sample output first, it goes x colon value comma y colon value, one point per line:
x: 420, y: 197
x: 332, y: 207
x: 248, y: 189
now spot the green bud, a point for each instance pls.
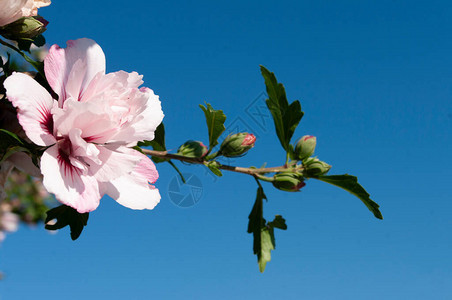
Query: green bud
x: 237, y: 144
x: 288, y: 181
x: 24, y: 28
x: 305, y: 147
x: 193, y: 149
x: 315, y: 167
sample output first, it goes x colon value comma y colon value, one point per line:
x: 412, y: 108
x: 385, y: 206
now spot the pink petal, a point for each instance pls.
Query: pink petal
x: 95, y: 124
x: 145, y: 170
x: 115, y: 162
x: 133, y: 190
x: 69, y: 71
x: 146, y: 121
x: 34, y: 106
x: 71, y: 185
x: 12, y: 10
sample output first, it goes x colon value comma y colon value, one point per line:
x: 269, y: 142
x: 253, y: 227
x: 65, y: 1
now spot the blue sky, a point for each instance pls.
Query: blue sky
x: 374, y: 79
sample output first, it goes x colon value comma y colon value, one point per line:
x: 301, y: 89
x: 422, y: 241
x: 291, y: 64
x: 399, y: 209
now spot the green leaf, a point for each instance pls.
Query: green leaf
x: 158, y: 143
x: 39, y: 40
x: 286, y: 117
x: 257, y: 222
x: 66, y: 215
x: 267, y: 244
x: 10, y: 143
x: 278, y: 222
x: 215, y: 124
x: 351, y: 185
x: 263, y: 233
x: 213, y: 166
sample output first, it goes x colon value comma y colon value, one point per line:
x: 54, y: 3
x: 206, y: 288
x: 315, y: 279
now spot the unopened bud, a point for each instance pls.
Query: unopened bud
x: 288, y: 181
x: 193, y: 149
x: 315, y: 167
x: 305, y: 147
x: 24, y: 28
x: 237, y: 144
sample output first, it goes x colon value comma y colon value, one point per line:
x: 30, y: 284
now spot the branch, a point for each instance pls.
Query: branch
x: 249, y: 171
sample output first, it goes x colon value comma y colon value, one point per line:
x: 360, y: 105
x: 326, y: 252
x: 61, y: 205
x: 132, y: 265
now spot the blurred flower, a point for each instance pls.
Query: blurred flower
x: 89, y: 129
x: 12, y: 10
x: 9, y: 222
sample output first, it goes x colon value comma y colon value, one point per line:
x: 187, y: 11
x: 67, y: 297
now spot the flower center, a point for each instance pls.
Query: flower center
x: 65, y: 146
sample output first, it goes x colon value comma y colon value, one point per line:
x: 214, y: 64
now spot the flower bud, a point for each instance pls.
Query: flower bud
x: 288, y: 181
x: 315, y: 167
x: 237, y: 144
x: 305, y: 147
x: 24, y: 28
x: 193, y: 149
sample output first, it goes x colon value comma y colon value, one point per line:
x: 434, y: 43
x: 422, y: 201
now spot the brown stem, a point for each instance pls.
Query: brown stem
x: 249, y: 171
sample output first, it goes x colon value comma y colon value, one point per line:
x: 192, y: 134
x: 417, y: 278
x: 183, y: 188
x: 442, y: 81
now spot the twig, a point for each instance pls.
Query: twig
x: 249, y: 171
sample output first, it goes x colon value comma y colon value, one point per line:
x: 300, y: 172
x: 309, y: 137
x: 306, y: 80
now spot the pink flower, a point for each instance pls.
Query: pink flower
x: 12, y: 10
x: 89, y: 129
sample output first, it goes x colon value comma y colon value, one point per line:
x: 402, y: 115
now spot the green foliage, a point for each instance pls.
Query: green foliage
x: 213, y: 166
x: 278, y: 222
x: 10, y: 143
x: 192, y: 149
x: 66, y: 215
x: 215, y: 124
x: 286, y: 117
x: 27, y: 197
x: 257, y: 222
x: 263, y: 232
x: 158, y: 143
x: 237, y: 144
x: 351, y: 185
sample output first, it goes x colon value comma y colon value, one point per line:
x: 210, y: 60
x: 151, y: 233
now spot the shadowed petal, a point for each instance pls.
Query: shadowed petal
x: 24, y: 163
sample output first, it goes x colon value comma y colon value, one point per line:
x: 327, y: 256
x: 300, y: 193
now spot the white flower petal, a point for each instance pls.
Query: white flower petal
x: 129, y: 194
x: 34, y: 106
x: 61, y: 62
x: 115, y: 162
x: 134, y: 190
x: 69, y: 184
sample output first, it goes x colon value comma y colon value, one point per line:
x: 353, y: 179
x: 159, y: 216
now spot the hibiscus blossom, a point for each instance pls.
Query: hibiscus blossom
x: 12, y: 10
x: 9, y: 222
x: 90, y: 128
